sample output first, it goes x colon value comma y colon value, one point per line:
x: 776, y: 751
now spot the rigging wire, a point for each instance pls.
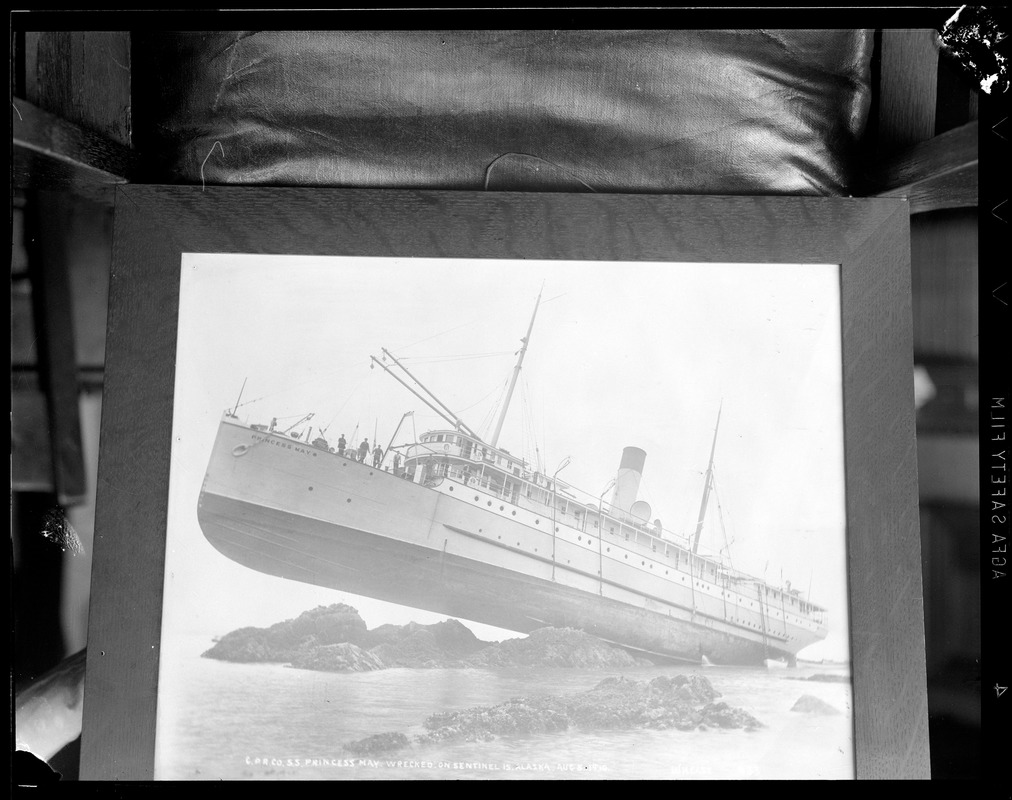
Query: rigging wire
x: 346, y: 401
x: 483, y: 399
x: 720, y: 517
x: 458, y: 357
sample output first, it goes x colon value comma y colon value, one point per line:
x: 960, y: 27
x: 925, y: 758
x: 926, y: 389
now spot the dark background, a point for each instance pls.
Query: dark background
x: 88, y: 115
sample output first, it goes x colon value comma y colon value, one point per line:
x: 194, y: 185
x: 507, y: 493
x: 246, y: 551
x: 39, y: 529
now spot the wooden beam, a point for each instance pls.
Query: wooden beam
x: 51, y: 153
x: 82, y: 77
x: 941, y: 172
x: 47, y: 219
x: 908, y: 81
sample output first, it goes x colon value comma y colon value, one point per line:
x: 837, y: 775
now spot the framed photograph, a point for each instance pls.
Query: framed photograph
x: 433, y: 485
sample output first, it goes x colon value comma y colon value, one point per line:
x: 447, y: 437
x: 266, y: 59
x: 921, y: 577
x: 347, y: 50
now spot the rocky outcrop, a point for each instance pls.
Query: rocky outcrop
x: 344, y: 657
x: 335, y: 638
x: 554, y: 647
x: 808, y: 704
x: 378, y: 744
x: 683, y: 702
x: 285, y: 641
x: 447, y: 643
x: 823, y: 677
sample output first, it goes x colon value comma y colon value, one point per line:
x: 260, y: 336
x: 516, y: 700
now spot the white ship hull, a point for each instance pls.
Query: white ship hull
x: 285, y: 508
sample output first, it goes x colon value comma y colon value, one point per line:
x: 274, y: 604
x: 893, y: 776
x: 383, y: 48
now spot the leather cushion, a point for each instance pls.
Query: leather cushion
x: 723, y: 112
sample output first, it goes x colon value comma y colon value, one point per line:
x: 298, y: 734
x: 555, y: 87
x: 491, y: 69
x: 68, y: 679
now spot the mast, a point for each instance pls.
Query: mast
x: 516, y: 374
x: 706, y: 484
x: 240, y: 396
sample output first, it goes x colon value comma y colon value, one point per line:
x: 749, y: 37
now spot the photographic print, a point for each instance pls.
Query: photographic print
x: 448, y: 518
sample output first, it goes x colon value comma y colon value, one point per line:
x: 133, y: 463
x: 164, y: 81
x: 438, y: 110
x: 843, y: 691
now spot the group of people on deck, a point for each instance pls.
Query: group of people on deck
x: 362, y: 453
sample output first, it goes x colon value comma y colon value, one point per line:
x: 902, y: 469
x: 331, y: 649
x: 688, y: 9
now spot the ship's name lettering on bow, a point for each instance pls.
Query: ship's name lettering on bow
x: 283, y: 445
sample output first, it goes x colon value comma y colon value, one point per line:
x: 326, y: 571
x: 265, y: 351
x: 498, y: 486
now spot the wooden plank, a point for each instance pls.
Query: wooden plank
x: 31, y: 454
x: 941, y: 172
x: 82, y: 77
x: 51, y: 153
x: 944, y: 267
x: 907, y: 88
x: 47, y: 218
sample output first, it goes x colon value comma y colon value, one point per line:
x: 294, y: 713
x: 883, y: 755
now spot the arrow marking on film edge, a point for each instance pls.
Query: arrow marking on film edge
x: 994, y: 294
x: 1003, y: 202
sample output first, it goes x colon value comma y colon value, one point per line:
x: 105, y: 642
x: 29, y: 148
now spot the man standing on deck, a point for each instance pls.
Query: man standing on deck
x: 341, y: 444
x: 377, y: 456
x: 363, y: 450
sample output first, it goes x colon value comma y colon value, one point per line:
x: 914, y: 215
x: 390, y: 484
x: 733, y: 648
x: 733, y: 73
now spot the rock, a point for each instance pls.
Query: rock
x: 721, y: 715
x: 344, y: 657
x: 808, y: 704
x: 378, y: 744
x: 302, y: 642
x: 285, y: 641
x: 679, y: 702
x: 554, y: 647
x: 443, y: 644
x: 823, y: 678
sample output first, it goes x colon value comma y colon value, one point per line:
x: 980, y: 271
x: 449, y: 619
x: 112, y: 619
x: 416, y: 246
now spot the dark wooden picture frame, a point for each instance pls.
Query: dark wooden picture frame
x: 869, y: 239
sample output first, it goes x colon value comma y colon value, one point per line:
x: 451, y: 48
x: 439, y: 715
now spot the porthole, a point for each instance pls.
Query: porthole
x: 310, y: 488
x: 518, y: 544
x: 537, y: 522
x: 514, y: 513
x: 490, y: 503
x: 578, y: 538
x: 451, y: 488
x: 627, y: 556
x: 502, y: 508
x: 476, y: 498
x: 348, y: 500
x: 608, y: 549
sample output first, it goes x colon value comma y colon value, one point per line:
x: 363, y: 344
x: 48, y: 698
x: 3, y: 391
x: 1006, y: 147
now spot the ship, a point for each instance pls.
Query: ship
x: 453, y: 523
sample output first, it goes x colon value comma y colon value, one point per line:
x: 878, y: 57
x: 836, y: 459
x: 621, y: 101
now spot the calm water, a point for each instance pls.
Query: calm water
x: 219, y: 720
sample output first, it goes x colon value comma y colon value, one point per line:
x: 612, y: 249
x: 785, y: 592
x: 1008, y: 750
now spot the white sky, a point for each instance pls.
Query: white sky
x: 621, y: 354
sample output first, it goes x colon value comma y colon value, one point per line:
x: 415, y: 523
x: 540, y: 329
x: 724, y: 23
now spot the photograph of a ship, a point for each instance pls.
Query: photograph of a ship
x: 650, y: 454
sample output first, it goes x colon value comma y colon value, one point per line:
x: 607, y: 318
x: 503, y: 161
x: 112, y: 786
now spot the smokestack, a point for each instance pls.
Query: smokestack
x: 627, y: 484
